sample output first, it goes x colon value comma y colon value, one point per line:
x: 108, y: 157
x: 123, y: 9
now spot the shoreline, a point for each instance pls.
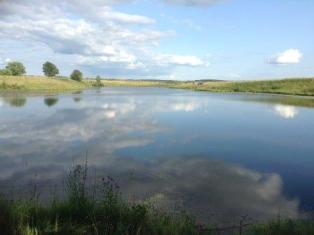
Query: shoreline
x: 302, y: 87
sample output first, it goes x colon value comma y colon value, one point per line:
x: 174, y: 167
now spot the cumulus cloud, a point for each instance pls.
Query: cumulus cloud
x: 286, y: 111
x: 96, y: 35
x: 290, y: 56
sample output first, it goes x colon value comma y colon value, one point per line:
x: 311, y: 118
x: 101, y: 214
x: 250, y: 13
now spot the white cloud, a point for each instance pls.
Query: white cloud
x: 187, y: 60
x: 290, y: 56
x: 192, y: 2
x: 108, y: 14
x: 110, y: 114
x: 97, y: 36
x: 186, y: 107
x: 4, y: 61
x: 285, y: 111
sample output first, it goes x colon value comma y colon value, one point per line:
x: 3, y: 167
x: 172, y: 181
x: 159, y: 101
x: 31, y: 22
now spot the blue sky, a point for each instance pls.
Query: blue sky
x: 162, y: 39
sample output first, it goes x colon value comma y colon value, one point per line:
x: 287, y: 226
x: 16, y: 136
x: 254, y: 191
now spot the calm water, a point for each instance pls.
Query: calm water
x: 212, y: 154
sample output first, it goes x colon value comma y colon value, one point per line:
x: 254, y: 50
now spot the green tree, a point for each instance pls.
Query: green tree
x: 77, y: 75
x: 5, y: 72
x: 98, y: 82
x: 98, y: 79
x: 50, y: 70
x: 16, y: 68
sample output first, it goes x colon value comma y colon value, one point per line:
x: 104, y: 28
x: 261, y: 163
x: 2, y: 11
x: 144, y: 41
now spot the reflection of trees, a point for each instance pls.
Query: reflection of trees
x: 51, y: 101
x: 77, y: 99
x: 16, y: 101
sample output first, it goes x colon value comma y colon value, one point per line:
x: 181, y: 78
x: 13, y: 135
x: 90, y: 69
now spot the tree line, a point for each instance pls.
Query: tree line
x: 16, y: 68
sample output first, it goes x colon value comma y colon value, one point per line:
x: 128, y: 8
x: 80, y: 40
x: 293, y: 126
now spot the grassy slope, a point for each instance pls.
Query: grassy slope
x: 287, y: 86
x: 39, y: 83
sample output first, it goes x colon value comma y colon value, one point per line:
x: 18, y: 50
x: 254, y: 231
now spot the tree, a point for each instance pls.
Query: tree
x: 50, y: 70
x: 16, y: 68
x: 98, y: 82
x: 77, y: 75
x: 98, y: 79
x: 5, y: 72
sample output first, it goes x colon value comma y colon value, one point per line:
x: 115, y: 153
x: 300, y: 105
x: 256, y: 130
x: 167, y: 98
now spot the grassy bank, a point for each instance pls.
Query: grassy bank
x: 82, y: 213
x: 304, y: 87
x: 40, y: 84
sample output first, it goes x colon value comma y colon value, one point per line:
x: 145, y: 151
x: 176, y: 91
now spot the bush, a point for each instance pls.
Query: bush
x: 16, y: 68
x: 77, y: 75
x: 98, y: 82
x: 50, y: 70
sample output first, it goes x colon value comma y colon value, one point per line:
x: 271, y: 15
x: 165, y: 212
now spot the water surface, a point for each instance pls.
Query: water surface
x: 214, y: 155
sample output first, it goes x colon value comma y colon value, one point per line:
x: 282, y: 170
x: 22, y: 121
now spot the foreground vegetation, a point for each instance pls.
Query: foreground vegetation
x: 83, y: 213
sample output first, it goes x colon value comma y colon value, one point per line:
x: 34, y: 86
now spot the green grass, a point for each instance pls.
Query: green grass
x: 40, y: 84
x: 304, y: 87
x: 83, y: 213
x: 285, y: 227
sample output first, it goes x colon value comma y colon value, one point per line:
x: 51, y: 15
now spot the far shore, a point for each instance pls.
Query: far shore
x: 293, y: 86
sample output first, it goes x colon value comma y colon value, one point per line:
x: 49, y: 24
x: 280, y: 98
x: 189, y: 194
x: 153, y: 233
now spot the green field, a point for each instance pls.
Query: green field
x: 40, y: 84
x: 302, y: 86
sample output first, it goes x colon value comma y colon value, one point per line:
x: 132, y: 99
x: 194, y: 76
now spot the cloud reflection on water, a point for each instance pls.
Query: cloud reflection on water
x: 286, y: 111
x: 48, y: 145
x: 206, y: 188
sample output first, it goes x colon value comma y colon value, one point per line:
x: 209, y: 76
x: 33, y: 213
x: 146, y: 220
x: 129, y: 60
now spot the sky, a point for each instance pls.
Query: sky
x: 161, y: 39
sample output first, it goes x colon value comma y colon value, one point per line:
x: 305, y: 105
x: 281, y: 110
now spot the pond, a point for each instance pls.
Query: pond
x: 217, y: 156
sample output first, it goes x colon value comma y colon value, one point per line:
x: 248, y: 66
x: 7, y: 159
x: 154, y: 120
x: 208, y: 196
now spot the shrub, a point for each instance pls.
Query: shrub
x: 98, y: 82
x: 16, y: 68
x: 50, y: 70
x: 77, y: 75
